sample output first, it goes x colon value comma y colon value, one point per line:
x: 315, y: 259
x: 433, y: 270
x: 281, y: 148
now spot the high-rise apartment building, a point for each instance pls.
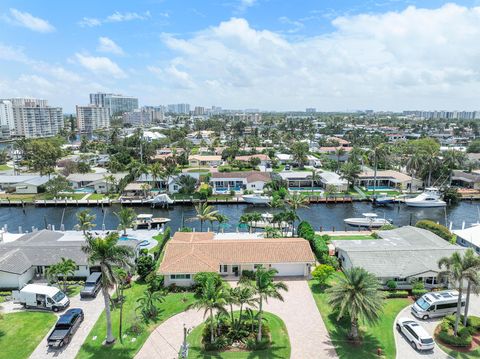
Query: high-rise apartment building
x: 34, y: 118
x: 92, y: 117
x: 115, y: 104
x: 179, y: 108
x: 6, y: 114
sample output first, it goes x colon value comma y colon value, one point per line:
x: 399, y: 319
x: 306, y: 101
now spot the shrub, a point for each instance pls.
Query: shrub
x: 319, y: 247
x: 391, y: 284
x: 305, y: 230
x: 464, y: 337
x: 322, y: 272
x: 330, y: 260
x: 436, y: 228
x: 474, y: 322
x: 252, y: 344
x: 145, y: 265
x: 248, y: 274
x: 417, y: 293
x: 418, y: 284
x: 398, y: 294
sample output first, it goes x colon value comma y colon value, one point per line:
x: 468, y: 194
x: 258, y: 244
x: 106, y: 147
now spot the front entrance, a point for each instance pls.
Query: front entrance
x: 235, y: 270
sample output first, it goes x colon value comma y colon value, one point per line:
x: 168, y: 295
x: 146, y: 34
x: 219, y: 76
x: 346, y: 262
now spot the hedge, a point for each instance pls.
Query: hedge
x: 463, y: 339
x: 436, y: 228
x: 398, y: 294
x: 417, y: 293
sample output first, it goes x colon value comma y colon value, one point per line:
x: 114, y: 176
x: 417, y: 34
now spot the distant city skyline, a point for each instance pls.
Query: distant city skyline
x: 273, y: 55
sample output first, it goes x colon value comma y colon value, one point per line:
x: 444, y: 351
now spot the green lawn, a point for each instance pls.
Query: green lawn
x: 352, y: 237
x: 375, y: 336
x: 74, y: 196
x: 377, y: 192
x: 20, y: 333
x: 458, y: 355
x: 280, y: 347
x: 92, y: 347
x: 200, y: 170
x: 100, y: 196
x: 5, y: 168
x: 196, y: 195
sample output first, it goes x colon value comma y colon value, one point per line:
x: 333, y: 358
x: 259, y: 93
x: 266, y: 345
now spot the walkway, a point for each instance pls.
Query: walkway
x: 404, y: 350
x: 92, y: 308
x: 308, y: 335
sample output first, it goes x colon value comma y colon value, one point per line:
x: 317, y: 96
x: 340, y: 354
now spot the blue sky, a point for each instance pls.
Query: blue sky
x: 269, y: 54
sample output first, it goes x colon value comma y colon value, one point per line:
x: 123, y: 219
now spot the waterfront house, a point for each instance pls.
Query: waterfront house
x: 264, y: 159
x: 333, y: 180
x: 228, y: 254
x: 95, y: 182
x: 29, y: 257
x: 333, y: 152
x: 204, y: 160
x: 237, y: 181
x: 24, y: 184
x: 299, y: 179
x: 388, y: 179
x: 469, y: 237
x: 404, y: 255
x: 466, y: 179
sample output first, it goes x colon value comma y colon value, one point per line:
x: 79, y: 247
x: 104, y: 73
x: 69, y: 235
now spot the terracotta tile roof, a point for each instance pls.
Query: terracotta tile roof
x: 197, y: 252
x: 260, y: 156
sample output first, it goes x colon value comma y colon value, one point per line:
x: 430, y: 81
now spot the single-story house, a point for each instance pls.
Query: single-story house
x: 331, y: 152
x: 469, y: 237
x: 237, y: 181
x: 25, y: 184
x: 466, y: 179
x: 284, y: 158
x: 228, y: 254
x: 299, y: 178
x: 313, y: 161
x: 97, y: 182
x: 333, y: 179
x: 204, y: 160
x: 264, y: 159
x: 29, y: 256
x: 161, y: 183
x: 341, y: 141
x: 388, y: 178
x: 403, y: 254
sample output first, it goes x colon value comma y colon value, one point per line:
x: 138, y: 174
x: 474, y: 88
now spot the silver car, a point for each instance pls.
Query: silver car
x: 417, y: 336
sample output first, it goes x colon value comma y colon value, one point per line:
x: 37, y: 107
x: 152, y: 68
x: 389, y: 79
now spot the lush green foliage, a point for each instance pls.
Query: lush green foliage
x: 397, y: 294
x: 145, y: 265
x: 436, y: 228
x: 322, y: 272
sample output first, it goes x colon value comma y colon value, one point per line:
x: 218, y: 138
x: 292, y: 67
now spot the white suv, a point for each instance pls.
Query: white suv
x: 417, y: 336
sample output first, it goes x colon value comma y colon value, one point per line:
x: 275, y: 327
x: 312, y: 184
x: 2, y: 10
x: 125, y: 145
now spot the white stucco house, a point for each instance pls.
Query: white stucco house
x: 97, y: 182
x: 238, y: 181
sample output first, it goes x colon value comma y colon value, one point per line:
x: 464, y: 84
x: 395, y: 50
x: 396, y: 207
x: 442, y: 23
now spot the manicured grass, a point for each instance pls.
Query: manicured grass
x: 379, y: 335
x: 196, y: 195
x: 100, y: 196
x: 5, y: 168
x: 18, y: 197
x: 93, y: 348
x: 377, y: 193
x: 74, y: 196
x: 280, y: 346
x: 200, y: 170
x: 20, y: 333
x: 458, y: 355
x: 352, y: 237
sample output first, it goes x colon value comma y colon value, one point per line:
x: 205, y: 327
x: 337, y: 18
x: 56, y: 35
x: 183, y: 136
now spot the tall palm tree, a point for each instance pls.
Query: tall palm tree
x: 473, y: 282
x: 458, y: 269
x: 126, y: 216
x: 221, y: 219
x: 210, y: 297
x: 296, y: 200
x: 339, y: 153
x: 205, y: 212
x: 85, y: 220
x: 356, y: 294
x: 255, y: 217
x: 147, y: 304
x: 111, y: 182
x: 350, y: 171
x: 378, y: 153
x: 108, y: 254
x: 156, y: 170
x: 265, y: 287
x: 244, y: 297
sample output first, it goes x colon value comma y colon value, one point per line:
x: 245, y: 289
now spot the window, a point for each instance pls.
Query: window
x: 223, y: 268
x: 180, y: 276
x: 446, y: 306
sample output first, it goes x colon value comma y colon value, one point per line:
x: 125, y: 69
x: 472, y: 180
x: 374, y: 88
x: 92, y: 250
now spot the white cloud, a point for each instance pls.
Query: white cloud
x: 243, y: 5
x: 415, y: 58
x: 106, y: 44
x: 29, y: 21
x: 115, y: 17
x: 100, y: 65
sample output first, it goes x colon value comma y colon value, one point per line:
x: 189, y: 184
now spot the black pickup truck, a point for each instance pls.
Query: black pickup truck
x: 66, y: 326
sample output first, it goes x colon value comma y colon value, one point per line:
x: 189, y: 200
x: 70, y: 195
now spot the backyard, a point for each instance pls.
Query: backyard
x: 279, y: 348
x: 379, y: 335
x: 133, y: 338
x: 21, y: 332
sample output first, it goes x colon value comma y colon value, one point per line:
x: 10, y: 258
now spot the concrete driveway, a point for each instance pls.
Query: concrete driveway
x: 404, y: 350
x: 92, y: 309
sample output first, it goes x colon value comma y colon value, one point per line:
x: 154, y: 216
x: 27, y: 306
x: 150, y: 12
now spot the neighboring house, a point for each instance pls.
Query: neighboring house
x: 469, y: 237
x: 333, y: 179
x: 264, y: 159
x: 29, y: 256
x: 313, y: 161
x: 298, y: 179
x: 204, y: 160
x: 24, y: 184
x: 466, y: 179
x: 284, y: 158
x: 200, y: 136
x: 237, y: 181
x: 389, y: 178
x: 341, y: 142
x: 404, y: 255
x: 331, y: 152
x: 94, y: 181
x: 161, y: 183
x: 228, y: 254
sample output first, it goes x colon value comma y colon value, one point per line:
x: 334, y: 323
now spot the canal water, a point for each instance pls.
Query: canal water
x: 325, y: 216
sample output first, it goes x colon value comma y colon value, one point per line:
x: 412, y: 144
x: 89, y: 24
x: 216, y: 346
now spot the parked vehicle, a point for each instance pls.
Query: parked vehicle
x: 41, y: 297
x: 66, y: 326
x: 436, y: 304
x: 417, y: 336
x: 92, y: 285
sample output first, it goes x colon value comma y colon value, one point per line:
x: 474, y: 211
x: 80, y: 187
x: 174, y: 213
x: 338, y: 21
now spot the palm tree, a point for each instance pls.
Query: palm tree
x: 121, y: 276
x: 145, y: 187
x: 111, y: 182
x: 299, y: 153
x: 169, y: 168
x: 473, y: 282
x: 205, y: 212
x: 108, y: 254
x: 458, y: 269
x: 339, y: 153
x: 66, y: 268
x: 126, y: 216
x: 264, y: 287
x: 350, y: 171
x: 156, y: 170
x: 147, y: 304
x: 255, y: 217
x: 356, y: 294
x: 85, y: 220
x: 244, y: 296
x: 210, y: 297
x: 377, y: 153
x: 221, y: 219
x: 296, y: 200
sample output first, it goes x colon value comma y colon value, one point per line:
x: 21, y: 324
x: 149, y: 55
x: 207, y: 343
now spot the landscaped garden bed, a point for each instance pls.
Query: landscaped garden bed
x: 466, y: 344
x: 241, y: 342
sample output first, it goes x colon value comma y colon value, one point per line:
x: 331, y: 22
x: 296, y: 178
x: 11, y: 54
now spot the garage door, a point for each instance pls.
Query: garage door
x: 290, y: 269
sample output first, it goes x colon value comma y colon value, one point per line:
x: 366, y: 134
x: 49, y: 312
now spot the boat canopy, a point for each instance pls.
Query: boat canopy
x: 369, y: 215
x: 145, y: 216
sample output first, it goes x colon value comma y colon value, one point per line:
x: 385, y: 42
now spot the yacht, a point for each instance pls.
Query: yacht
x: 383, y: 198
x: 368, y: 220
x: 147, y: 221
x: 429, y: 198
x: 257, y: 198
x: 267, y: 221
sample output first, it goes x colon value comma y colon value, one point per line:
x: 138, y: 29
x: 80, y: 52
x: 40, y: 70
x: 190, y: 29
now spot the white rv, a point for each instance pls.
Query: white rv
x: 437, y: 304
x: 41, y: 297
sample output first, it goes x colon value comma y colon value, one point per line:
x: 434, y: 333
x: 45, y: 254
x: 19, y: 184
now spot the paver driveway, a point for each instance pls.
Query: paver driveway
x: 404, y: 350
x: 92, y: 308
x: 308, y: 335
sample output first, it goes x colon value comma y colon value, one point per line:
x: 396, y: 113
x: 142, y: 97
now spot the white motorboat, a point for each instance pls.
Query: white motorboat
x: 383, y: 198
x: 257, y: 198
x: 431, y: 197
x: 368, y: 220
x: 147, y: 221
x: 162, y: 198
x: 267, y: 221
